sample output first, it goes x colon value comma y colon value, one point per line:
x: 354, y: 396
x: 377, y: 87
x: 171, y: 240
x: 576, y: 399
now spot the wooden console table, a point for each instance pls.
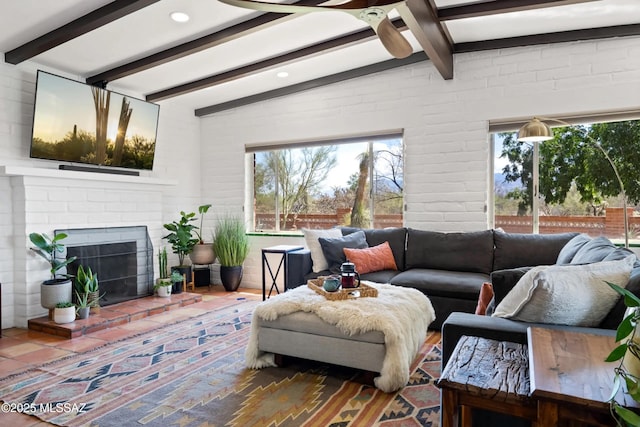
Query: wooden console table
x: 570, y: 379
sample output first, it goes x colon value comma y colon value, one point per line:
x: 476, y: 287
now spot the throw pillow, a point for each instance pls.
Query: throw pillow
x: 376, y: 258
x: 333, y: 248
x: 566, y: 294
x: 311, y: 239
x: 595, y: 250
x: 571, y: 248
x: 486, y: 295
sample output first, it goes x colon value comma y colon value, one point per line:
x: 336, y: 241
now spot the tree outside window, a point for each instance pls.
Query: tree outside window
x: 576, y: 182
x: 329, y: 185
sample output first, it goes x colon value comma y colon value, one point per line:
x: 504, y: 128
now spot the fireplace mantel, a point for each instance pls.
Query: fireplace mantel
x: 87, y: 176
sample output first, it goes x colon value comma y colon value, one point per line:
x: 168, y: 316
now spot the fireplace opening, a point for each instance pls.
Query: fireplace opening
x: 120, y: 256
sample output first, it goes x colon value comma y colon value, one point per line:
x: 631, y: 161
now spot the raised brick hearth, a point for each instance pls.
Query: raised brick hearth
x: 114, y: 315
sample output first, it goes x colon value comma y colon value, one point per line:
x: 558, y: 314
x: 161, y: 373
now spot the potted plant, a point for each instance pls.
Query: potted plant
x: 82, y: 301
x: 182, y: 241
x: 87, y: 283
x: 164, y: 287
x: 202, y: 252
x: 231, y: 246
x: 59, y: 287
x: 628, y: 353
x: 64, y: 312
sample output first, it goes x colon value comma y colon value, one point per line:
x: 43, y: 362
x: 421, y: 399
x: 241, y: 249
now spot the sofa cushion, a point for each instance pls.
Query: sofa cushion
x: 451, y: 284
x: 470, y: 252
x: 595, y: 250
x: 396, y: 236
x: 513, y: 250
x: 333, y: 248
x: 571, y: 248
x: 319, y: 262
x: 384, y: 276
x: 371, y: 259
x: 566, y: 294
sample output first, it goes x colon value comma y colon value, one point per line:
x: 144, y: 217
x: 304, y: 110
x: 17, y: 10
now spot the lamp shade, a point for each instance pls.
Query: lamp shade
x: 535, y: 131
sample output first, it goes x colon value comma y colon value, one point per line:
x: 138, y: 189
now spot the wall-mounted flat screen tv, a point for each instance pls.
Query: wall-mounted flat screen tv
x: 76, y: 122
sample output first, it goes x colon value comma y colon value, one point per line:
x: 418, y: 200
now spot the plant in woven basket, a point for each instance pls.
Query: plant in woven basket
x: 628, y: 353
x: 87, y: 284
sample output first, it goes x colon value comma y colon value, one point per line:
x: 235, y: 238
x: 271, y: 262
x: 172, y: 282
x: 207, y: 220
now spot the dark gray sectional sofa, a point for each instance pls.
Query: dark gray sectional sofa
x: 449, y: 268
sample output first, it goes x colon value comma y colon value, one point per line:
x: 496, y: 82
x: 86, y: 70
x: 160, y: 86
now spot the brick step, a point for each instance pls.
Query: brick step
x: 114, y: 315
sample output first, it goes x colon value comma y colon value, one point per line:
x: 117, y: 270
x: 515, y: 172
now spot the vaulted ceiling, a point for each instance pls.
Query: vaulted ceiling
x: 225, y: 56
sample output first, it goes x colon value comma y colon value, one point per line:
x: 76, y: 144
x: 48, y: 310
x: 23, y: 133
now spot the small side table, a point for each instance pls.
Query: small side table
x: 486, y: 374
x: 284, y: 250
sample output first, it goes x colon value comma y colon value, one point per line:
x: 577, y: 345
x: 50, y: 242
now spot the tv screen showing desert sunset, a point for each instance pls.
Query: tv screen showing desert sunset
x: 76, y: 122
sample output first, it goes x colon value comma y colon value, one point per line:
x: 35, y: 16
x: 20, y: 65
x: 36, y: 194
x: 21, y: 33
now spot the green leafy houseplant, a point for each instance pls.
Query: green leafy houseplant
x: 629, y: 347
x: 82, y: 300
x: 180, y: 237
x: 162, y: 264
x: 64, y: 304
x: 231, y: 243
x: 174, y: 278
x: 86, y: 281
x: 47, y: 248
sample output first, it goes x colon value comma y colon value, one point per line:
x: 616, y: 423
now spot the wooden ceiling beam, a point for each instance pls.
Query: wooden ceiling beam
x: 257, y: 67
x: 549, y: 38
x: 421, y: 18
x: 499, y: 6
x: 89, y: 22
x: 210, y: 40
x: 319, y: 82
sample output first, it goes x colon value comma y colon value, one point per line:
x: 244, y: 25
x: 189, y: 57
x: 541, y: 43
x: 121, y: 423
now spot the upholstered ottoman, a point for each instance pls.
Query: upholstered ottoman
x: 379, y: 334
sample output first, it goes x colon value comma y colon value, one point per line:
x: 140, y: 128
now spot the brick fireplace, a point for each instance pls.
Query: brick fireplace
x: 45, y: 200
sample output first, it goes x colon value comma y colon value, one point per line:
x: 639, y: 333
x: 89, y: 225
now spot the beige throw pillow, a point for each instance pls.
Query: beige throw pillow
x: 311, y: 239
x: 566, y: 294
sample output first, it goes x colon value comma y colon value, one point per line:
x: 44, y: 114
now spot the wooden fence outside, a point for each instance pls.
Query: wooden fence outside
x: 610, y: 225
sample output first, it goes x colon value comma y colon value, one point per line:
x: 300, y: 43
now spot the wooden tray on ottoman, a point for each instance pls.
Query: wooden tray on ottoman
x: 341, y: 294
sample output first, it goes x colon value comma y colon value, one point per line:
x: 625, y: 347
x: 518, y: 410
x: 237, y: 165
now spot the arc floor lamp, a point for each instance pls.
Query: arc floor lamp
x: 536, y: 131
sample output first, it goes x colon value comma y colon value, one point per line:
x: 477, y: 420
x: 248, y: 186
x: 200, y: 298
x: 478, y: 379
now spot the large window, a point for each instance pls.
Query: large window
x: 356, y: 182
x: 575, y: 186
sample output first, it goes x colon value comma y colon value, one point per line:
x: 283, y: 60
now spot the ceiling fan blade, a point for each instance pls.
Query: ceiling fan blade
x: 273, y: 7
x: 373, y: 12
x: 392, y: 39
x: 354, y: 6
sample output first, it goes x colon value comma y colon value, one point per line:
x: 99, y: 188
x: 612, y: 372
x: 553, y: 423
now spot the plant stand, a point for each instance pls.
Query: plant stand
x: 201, y: 275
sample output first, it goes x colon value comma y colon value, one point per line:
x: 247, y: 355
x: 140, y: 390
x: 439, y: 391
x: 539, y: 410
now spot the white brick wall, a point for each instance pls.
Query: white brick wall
x: 445, y: 132
x: 74, y: 200
x: 445, y: 122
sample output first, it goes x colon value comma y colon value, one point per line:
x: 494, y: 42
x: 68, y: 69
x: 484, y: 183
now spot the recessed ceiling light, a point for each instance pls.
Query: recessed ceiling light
x: 179, y: 16
x: 282, y: 74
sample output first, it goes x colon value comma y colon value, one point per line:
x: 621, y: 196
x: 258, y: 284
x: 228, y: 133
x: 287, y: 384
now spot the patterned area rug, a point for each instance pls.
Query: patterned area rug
x: 192, y: 374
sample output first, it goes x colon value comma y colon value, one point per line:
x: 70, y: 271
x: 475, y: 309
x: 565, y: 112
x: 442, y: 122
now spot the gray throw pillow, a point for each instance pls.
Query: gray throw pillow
x: 571, y: 248
x: 332, y: 248
x: 596, y: 250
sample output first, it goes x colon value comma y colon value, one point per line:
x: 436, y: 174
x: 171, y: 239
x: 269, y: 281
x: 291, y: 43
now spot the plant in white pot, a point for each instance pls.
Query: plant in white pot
x: 64, y: 312
x: 628, y: 353
x: 59, y: 287
x: 202, y: 252
x: 231, y: 246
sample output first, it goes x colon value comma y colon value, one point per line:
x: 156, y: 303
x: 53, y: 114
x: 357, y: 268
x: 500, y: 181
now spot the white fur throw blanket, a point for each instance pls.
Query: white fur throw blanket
x: 401, y: 314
